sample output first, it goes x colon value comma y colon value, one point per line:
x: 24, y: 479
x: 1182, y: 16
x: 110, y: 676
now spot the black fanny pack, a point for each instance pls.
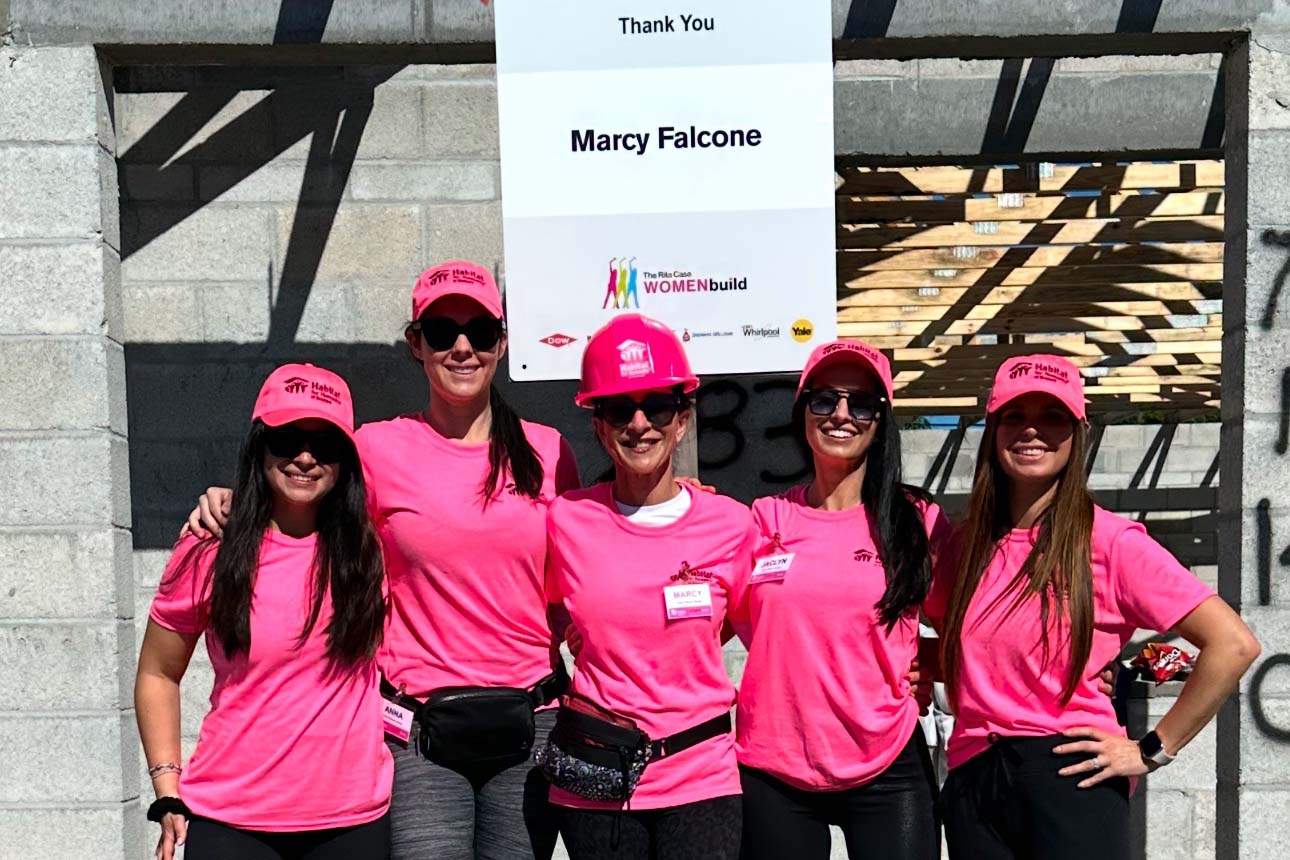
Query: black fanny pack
x: 479, y: 726
x: 599, y: 755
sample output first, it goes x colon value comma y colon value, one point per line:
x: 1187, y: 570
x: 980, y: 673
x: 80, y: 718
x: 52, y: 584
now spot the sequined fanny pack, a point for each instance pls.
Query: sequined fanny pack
x: 599, y: 755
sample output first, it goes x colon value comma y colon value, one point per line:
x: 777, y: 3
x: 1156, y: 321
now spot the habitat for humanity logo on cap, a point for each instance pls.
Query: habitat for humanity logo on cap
x: 1041, y: 370
x: 634, y: 360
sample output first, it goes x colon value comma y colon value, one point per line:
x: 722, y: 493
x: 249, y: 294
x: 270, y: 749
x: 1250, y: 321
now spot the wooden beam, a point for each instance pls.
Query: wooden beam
x: 962, y: 180
x: 943, y: 296
x: 851, y: 261
x: 1001, y: 276
x: 1031, y: 207
x: 1205, y: 228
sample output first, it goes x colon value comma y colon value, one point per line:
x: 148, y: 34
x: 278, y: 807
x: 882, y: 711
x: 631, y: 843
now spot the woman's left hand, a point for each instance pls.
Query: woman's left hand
x: 1109, y: 755
x: 695, y: 484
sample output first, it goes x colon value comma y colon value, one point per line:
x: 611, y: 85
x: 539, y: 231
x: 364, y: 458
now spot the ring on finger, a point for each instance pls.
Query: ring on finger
x: 1097, y: 762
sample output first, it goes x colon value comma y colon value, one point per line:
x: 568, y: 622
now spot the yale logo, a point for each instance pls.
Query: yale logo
x: 803, y: 331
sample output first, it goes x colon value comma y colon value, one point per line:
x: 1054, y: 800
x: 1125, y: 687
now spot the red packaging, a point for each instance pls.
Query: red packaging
x: 1163, y: 663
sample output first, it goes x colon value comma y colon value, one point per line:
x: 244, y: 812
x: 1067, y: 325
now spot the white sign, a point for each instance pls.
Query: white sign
x: 675, y: 160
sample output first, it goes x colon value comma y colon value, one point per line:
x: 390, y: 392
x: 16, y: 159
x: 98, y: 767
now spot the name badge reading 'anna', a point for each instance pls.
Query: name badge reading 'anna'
x: 688, y: 600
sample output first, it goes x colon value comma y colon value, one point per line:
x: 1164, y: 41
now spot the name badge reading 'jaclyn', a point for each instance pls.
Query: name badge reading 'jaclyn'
x: 688, y: 600
x: 772, y: 568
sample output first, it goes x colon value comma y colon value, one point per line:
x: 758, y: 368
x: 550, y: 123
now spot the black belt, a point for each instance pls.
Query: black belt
x: 544, y: 692
x: 682, y: 740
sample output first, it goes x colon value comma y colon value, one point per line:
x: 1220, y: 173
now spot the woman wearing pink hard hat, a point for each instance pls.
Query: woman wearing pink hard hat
x: 641, y: 756
x: 1048, y: 588
x: 290, y: 762
x: 470, y: 663
x: 827, y: 723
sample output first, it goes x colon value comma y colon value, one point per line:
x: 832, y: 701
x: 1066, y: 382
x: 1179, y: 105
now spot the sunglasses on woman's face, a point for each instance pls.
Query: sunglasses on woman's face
x: 440, y: 333
x: 327, y: 446
x: 861, y: 405
x: 659, y: 409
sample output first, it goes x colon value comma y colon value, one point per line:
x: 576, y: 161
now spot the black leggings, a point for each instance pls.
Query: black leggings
x: 212, y: 840
x: 892, y: 817
x: 1009, y: 803
x: 703, y: 830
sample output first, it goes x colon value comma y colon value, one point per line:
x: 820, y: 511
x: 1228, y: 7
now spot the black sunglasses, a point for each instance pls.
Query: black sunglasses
x: 327, y: 446
x: 440, y: 333
x: 660, y: 409
x: 861, y: 405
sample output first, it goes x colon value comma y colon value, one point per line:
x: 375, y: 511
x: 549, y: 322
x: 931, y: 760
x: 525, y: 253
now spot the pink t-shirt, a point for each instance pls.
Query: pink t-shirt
x: 289, y: 743
x: 1005, y: 685
x: 666, y: 675
x: 466, y: 594
x: 824, y: 703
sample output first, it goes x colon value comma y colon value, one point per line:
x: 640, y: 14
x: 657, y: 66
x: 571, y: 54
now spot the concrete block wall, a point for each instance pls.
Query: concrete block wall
x: 68, y: 747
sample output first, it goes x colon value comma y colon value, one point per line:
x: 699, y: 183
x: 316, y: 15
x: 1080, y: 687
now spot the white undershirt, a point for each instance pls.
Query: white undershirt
x: 662, y: 514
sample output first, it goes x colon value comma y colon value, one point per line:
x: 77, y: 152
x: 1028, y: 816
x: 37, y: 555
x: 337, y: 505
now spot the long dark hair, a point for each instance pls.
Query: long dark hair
x: 347, y: 563
x: 891, y: 507
x: 507, y: 444
x: 1058, y: 569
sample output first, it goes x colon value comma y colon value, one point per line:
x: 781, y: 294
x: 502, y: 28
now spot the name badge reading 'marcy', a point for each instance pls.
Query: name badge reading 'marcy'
x: 688, y: 600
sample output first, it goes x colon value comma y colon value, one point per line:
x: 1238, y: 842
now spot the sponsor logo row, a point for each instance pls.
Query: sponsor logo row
x: 801, y: 330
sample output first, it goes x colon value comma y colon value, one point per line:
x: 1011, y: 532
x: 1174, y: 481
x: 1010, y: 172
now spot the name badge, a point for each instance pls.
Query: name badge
x: 398, y: 721
x: 772, y: 568
x: 688, y: 600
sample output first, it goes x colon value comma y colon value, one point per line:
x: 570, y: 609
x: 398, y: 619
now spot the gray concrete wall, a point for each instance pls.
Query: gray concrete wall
x: 68, y: 747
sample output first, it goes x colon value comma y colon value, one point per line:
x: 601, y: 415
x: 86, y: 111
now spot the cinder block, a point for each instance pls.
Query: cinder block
x: 1265, y: 827
x: 1264, y: 469
x: 1263, y: 752
x: 1269, y: 84
x: 1195, y: 768
x: 109, y: 831
x: 468, y: 232
x: 328, y: 317
x: 461, y: 119
x: 162, y: 313
x: 149, y: 566
x: 952, y: 67
x: 277, y: 181
x: 56, y: 383
x: 36, y: 489
x: 73, y: 666
x: 235, y: 313
x: 1271, y: 626
x: 72, y: 574
x: 171, y: 475
x: 180, y: 402
x: 392, y: 128
x: 109, y: 202
x: 1169, y: 824
x: 35, y: 750
x: 215, y: 243
x: 198, y: 125
x: 381, y: 312
x: 194, y: 697
x: 1269, y: 182
x: 59, y: 187
x: 464, y: 71
x: 158, y: 181
x: 1128, y: 64
x: 448, y: 181
x: 53, y: 289
x: 1204, y: 825
x: 364, y: 243
x: 49, y: 94
x: 853, y: 69
x: 735, y: 656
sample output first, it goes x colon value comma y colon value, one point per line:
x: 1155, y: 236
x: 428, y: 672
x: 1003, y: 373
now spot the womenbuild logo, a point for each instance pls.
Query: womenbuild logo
x: 626, y: 280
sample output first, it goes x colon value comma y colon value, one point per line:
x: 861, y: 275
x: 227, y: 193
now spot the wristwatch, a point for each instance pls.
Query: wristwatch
x: 1153, y: 750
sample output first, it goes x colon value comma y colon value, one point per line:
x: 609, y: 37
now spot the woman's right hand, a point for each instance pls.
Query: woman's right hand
x: 210, y: 515
x: 174, y: 831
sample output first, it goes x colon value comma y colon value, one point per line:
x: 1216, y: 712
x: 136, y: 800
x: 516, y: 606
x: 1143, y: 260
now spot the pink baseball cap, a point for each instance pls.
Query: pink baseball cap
x: 1050, y: 374
x: 456, y: 278
x: 847, y: 352
x: 296, y: 391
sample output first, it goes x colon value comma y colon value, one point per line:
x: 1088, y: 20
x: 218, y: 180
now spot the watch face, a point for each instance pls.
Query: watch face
x: 1150, y: 744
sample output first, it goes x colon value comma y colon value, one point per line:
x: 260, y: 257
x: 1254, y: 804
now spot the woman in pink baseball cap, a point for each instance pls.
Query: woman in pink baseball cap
x: 290, y: 762
x: 828, y: 730
x: 470, y: 664
x: 641, y: 756
x: 1048, y: 588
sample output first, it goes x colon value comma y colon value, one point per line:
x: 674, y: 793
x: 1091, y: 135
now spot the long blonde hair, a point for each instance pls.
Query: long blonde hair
x: 1058, y: 569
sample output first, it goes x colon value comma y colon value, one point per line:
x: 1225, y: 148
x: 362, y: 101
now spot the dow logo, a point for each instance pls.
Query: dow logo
x: 557, y: 340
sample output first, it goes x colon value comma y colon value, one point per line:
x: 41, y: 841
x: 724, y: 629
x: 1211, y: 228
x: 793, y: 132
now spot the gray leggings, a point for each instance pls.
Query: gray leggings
x: 441, y: 814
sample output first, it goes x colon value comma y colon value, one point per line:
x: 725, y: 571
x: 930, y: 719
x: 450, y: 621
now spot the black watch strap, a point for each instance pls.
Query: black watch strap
x: 163, y: 806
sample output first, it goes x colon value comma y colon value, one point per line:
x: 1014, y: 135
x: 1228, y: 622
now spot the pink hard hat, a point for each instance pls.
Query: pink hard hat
x: 633, y: 353
x: 847, y: 352
x: 296, y: 391
x: 1050, y: 374
x: 456, y: 278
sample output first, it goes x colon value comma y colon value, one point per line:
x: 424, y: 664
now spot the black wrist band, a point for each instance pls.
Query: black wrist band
x: 163, y: 806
